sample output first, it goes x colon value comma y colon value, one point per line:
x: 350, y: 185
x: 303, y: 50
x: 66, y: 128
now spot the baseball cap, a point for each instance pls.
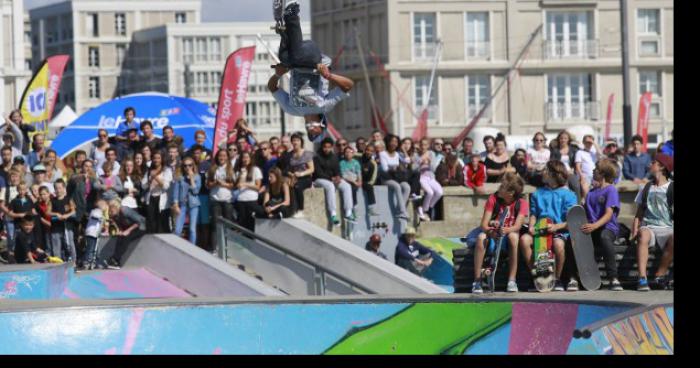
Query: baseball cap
x: 665, y: 160
x: 39, y: 168
x: 410, y: 231
x: 19, y: 159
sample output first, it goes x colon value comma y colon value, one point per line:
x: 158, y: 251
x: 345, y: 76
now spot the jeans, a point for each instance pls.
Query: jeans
x: 180, y: 222
x: 302, y: 184
x: 605, y: 239
x: 63, y: 241
x: 10, y: 227
x: 401, y: 192
x: 345, y: 192
x: 90, y: 251
x: 157, y: 221
x: 433, y: 192
x: 294, y: 51
x: 246, y: 212
x: 369, y: 194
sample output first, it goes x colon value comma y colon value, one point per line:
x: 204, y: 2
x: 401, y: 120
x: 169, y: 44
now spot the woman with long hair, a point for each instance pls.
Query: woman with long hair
x: 147, y: 153
x: 431, y: 188
x: 301, y: 169
x: 409, y: 153
x: 220, y: 182
x: 277, y: 200
x: 98, y: 154
x: 15, y: 124
x: 55, y: 168
x: 395, y: 173
x: 130, y: 176
x: 537, y: 158
x: 185, y: 197
x: 498, y: 162
x: 248, y: 182
x: 156, y: 183
x: 565, y: 152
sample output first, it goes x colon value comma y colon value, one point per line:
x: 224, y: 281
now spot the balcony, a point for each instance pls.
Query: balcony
x: 478, y: 50
x: 570, y: 49
x: 424, y: 52
x: 562, y: 112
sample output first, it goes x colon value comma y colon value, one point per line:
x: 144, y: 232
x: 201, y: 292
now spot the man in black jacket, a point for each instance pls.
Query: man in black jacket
x: 327, y: 176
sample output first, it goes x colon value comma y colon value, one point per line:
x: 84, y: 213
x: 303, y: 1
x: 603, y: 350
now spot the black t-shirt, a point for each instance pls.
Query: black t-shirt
x: 21, y: 205
x: 493, y: 165
x: 59, y: 206
x: 24, y: 243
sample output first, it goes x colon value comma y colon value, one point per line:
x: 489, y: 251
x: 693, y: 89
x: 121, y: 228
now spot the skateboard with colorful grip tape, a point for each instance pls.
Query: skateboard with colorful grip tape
x: 543, y: 257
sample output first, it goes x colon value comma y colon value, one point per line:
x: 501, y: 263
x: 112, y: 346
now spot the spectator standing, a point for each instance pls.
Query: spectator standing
x: 248, y: 178
x: 636, y: 165
x: 585, y: 163
x: 267, y: 161
x: 109, y: 186
x: 129, y: 123
x: 7, y: 160
x: 155, y: 184
x: 131, y: 177
x: 221, y: 182
x: 61, y: 212
x: 8, y: 140
x: 40, y: 179
x: 38, y: 150
x: 667, y: 147
x: 204, y: 217
x: 7, y: 194
x: 185, y: 189
x: 112, y: 158
x: 147, y: 154
x: 563, y: 150
x: 17, y: 120
x: 169, y: 138
x: 149, y: 138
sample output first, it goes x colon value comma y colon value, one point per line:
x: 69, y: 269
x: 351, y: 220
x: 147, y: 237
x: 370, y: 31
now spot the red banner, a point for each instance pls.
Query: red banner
x: 421, y: 130
x: 643, y: 119
x: 608, y: 120
x: 233, y: 94
x: 39, y: 97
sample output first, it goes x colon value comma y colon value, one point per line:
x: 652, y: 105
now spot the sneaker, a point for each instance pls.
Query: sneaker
x: 298, y: 215
x: 113, y: 264
x: 423, y: 218
x: 402, y: 216
x: 615, y: 285
x: 476, y: 288
x: 660, y: 282
x: 278, y: 6
x: 292, y: 8
x: 643, y: 285
x: 334, y: 220
x: 572, y: 286
x: 558, y: 286
x: 351, y: 218
x: 512, y: 287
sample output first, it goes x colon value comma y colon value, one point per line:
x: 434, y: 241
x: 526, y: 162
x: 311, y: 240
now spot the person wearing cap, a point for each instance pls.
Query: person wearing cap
x: 636, y: 164
x: 39, y: 171
x: 411, y: 255
x: 8, y: 139
x: 373, y: 245
x: 653, y: 223
x: 667, y: 147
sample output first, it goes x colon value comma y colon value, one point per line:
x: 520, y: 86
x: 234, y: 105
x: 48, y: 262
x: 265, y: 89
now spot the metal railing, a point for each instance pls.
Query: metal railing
x: 229, y: 233
x: 555, y: 111
x: 570, y: 49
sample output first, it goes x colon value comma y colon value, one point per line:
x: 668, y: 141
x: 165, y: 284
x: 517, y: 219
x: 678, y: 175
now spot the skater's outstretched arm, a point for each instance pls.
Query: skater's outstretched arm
x: 344, y: 83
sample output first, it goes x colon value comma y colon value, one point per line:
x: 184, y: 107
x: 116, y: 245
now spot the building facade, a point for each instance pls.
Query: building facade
x: 97, y: 34
x: 188, y: 60
x: 13, y: 72
x: 565, y: 79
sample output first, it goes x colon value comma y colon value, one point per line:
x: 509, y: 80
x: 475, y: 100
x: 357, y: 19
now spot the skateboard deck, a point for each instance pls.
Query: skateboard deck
x: 582, y: 245
x: 495, y: 246
x: 543, y: 270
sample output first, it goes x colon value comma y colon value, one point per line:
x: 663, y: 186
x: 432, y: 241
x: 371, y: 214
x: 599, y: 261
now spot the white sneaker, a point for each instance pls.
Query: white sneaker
x: 298, y: 215
x: 512, y: 287
x: 572, y: 286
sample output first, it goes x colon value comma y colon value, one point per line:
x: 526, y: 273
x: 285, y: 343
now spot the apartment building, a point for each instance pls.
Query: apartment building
x: 188, y: 60
x: 96, y: 34
x: 13, y: 72
x: 566, y: 78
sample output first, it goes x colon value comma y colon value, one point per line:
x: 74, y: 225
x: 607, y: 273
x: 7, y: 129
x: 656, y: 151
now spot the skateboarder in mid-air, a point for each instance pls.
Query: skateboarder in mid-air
x: 308, y: 99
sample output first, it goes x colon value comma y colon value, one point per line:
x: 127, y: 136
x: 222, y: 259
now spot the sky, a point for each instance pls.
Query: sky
x: 217, y: 10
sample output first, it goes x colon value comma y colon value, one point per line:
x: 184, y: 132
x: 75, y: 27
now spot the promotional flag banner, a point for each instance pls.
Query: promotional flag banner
x: 643, y: 119
x: 608, y: 120
x: 39, y: 98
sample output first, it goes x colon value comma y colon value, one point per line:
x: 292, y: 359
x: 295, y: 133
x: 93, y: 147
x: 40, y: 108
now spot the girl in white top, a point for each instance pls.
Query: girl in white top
x: 156, y: 183
x: 389, y: 162
x: 431, y: 188
x: 249, y: 183
x: 220, y: 182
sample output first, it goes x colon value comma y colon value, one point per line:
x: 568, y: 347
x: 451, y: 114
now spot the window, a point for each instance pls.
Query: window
x: 28, y: 64
x: 215, y: 49
x: 187, y: 50
x: 251, y: 114
x: 180, y: 18
x: 201, y: 83
x: 569, y: 34
x: 421, y: 96
x: 648, y: 21
x: 424, y: 35
x: 649, y: 82
x: 92, y: 26
x: 477, y: 35
x: 478, y: 92
x: 28, y: 37
x: 120, y: 24
x: 201, y: 49
x: 93, y: 56
x: 569, y: 97
x: 215, y: 83
x: 121, y: 54
x: 649, y: 47
x: 94, y: 87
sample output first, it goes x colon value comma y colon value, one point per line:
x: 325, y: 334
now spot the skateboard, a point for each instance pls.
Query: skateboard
x: 543, y: 270
x: 278, y: 12
x: 494, y: 249
x: 582, y: 245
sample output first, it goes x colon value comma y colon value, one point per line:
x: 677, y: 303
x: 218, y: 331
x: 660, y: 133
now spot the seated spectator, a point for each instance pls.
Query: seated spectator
x: 277, y: 200
x: 466, y: 151
x: 130, y: 226
x: 28, y: 247
x: 497, y: 162
x: 411, y: 255
x: 373, y: 245
x: 351, y: 172
x: 637, y: 164
x: 475, y: 175
x: 447, y: 150
x: 394, y: 173
x: 370, y: 172
x: 438, y: 146
x: 109, y: 185
x: 450, y: 173
x: 507, y: 201
x: 340, y: 145
x: 585, y: 163
x: 490, y: 144
x: 301, y: 169
x: 377, y: 136
x: 428, y: 162
x: 519, y: 162
x: 248, y: 178
x: 360, y: 145
x: 653, y: 223
x: 617, y: 157
x: 184, y: 192
x: 537, y: 159
x: 408, y: 154
x: 327, y: 176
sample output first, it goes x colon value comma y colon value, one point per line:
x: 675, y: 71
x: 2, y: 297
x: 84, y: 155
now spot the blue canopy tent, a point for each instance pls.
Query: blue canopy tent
x: 185, y: 115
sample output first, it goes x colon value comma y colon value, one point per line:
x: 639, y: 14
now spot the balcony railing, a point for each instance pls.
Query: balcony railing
x: 570, y: 49
x: 424, y: 52
x: 478, y: 49
x: 586, y: 111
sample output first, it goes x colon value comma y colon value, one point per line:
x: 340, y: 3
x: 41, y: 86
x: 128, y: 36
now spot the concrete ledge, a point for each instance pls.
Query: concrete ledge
x: 193, y: 269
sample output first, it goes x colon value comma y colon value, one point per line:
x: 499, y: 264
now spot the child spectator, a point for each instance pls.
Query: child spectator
x: 43, y: 210
x: 62, y: 209
x: 552, y: 201
x: 475, y: 175
x: 653, y: 223
x: 97, y: 225
x: 602, y: 209
x: 373, y: 245
x: 185, y: 197
x: 277, y: 200
x: 369, y: 177
x: 109, y: 184
x: 411, y: 255
x: 351, y: 172
x: 7, y: 195
x: 432, y: 190
x: 509, y: 201
x: 28, y: 248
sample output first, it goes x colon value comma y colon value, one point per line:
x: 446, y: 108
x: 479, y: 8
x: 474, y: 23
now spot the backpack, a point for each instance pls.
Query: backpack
x: 669, y: 196
x: 497, y: 208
